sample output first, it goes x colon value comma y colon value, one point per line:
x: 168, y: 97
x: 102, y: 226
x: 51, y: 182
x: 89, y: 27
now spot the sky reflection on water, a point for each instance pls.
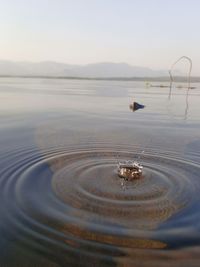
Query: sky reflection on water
x: 62, y: 201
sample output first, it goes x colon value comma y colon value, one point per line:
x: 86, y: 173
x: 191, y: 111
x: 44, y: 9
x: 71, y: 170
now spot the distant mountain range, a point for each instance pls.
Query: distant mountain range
x: 98, y: 70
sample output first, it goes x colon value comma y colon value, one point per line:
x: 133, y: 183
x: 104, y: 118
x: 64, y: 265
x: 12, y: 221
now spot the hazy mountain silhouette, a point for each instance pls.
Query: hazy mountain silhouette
x: 100, y: 70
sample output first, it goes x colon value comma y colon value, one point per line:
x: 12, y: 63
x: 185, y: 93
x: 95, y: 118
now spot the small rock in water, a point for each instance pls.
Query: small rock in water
x: 135, y: 106
x: 129, y: 170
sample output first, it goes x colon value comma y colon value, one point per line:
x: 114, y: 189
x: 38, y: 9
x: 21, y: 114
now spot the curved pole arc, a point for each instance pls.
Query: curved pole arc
x: 189, y: 72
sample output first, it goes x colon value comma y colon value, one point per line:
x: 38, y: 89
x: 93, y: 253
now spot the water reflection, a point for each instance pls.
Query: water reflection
x: 186, y: 105
x: 62, y: 202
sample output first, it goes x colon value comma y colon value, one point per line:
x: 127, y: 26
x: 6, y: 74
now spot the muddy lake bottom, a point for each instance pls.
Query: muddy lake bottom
x: 62, y: 202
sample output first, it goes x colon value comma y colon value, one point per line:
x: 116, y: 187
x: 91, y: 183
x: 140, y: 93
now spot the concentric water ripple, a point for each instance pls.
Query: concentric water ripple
x: 62, y: 203
x: 88, y: 184
x: 70, y: 201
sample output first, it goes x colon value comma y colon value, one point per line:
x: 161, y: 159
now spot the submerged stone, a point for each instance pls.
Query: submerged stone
x: 129, y: 170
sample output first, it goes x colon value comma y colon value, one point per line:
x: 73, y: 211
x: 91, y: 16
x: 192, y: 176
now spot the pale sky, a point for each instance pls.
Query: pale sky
x: 150, y: 33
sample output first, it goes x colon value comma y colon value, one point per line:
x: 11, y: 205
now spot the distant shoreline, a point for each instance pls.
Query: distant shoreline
x: 144, y: 79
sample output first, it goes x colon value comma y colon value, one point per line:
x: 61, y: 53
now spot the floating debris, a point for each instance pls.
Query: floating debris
x: 135, y: 106
x: 129, y: 170
x: 185, y: 87
x: 168, y: 86
x: 159, y: 85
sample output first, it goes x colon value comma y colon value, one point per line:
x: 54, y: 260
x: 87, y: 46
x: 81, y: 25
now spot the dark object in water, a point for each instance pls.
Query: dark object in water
x: 135, y: 106
x: 159, y: 86
x: 185, y: 87
x: 129, y: 170
x: 167, y: 86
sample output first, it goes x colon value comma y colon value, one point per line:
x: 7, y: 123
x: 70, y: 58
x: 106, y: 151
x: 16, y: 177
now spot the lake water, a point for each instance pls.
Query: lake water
x: 62, y: 202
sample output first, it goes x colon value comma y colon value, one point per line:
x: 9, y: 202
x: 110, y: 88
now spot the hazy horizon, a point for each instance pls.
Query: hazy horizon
x: 97, y: 70
x: 151, y: 34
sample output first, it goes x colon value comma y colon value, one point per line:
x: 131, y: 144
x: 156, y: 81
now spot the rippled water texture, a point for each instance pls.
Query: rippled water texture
x: 62, y: 202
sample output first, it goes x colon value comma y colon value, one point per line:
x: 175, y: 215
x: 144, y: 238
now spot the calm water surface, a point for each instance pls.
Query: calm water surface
x: 61, y: 201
